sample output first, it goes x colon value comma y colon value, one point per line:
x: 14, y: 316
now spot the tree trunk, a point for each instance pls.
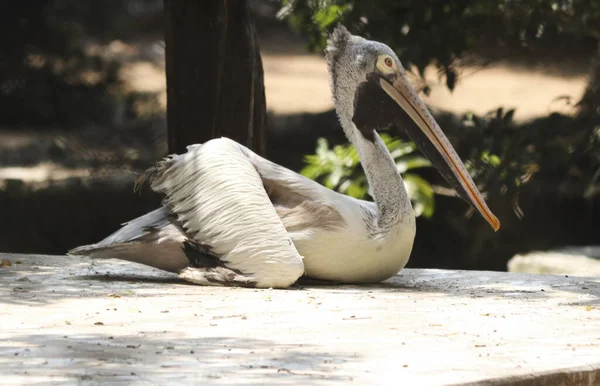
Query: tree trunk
x: 215, y: 81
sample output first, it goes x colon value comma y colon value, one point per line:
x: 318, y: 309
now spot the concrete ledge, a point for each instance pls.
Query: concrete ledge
x: 576, y: 261
x: 70, y: 321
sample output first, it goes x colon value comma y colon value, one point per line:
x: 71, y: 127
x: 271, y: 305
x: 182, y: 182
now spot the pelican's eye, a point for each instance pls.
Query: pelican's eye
x: 386, y: 64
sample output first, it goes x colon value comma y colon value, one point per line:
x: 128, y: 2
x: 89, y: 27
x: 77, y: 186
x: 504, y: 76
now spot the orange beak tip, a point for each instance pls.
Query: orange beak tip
x: 495, y: 223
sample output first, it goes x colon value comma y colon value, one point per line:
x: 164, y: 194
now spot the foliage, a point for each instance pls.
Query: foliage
x: 340, y: 169
x: 500, y: 156
x: 503, y: 155
x: 425, y: 32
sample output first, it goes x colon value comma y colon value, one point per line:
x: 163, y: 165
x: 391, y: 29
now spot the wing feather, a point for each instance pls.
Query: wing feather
x: 291, y: 180
x: 219, y: 199
x: 303, y: 203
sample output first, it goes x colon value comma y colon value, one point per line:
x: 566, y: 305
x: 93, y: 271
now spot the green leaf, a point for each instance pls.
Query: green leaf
x: 328, y: 15
x: 322, y: 147
x: 413, y: 162
x: 335, y: 177
x: 312, y: 171
x: 421, y: 194
x: 451, y: 77
x: 494, y: 160
x: 356, y: 190
x: 509, y: 116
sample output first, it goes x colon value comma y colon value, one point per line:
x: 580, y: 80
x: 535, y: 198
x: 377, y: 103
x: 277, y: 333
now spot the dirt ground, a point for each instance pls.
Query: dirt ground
x: 300, y: 83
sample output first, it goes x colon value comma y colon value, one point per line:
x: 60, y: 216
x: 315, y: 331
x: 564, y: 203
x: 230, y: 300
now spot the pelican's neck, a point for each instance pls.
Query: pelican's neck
x: 385, y: 183
x: 387, y: 187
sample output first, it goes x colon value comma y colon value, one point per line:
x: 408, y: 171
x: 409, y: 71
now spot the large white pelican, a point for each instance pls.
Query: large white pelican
x: 231, y: 217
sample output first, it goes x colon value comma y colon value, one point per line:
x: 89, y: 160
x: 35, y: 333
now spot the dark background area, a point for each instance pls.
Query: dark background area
x: 65, y: 107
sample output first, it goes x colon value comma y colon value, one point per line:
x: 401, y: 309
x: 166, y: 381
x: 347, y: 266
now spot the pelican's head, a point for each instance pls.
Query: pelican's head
x: 371, y: 92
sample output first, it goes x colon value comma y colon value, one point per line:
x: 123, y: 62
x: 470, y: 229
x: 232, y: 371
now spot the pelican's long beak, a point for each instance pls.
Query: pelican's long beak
x: 434, y: 144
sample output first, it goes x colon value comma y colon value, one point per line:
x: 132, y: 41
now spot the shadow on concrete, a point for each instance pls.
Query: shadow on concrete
x: 39, y: 280
x: 486, y: 284
x: 479, y: 284
x: 159, y: 357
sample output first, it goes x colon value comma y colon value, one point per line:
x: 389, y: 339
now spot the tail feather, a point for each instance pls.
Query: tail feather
x: 152, y: 239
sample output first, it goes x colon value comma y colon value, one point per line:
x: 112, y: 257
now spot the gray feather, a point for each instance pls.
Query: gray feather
x: 130, y: 231
x: 152, y: 239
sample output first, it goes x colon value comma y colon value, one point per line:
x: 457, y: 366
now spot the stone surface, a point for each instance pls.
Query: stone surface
x: 581, y: 261
x: 70, y: 321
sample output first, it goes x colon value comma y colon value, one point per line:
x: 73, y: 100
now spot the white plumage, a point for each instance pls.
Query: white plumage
x: 220, y: 200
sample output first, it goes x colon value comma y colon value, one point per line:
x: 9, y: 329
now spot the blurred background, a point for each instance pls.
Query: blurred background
x: 514, y: 84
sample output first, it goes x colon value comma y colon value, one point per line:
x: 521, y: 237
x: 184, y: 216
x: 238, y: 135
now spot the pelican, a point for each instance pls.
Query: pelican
x: 232, y: 218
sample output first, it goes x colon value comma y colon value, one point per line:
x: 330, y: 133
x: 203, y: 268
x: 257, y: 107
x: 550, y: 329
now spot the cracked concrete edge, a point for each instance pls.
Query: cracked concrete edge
x: 588, y: 375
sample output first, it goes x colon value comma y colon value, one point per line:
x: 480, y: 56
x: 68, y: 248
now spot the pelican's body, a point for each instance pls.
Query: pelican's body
x: 352, y: 253
x: 231, y: 217
x: 339, y: 236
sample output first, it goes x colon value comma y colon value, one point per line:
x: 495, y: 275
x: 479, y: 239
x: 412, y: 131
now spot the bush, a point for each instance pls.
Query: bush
x: 340, y: 169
